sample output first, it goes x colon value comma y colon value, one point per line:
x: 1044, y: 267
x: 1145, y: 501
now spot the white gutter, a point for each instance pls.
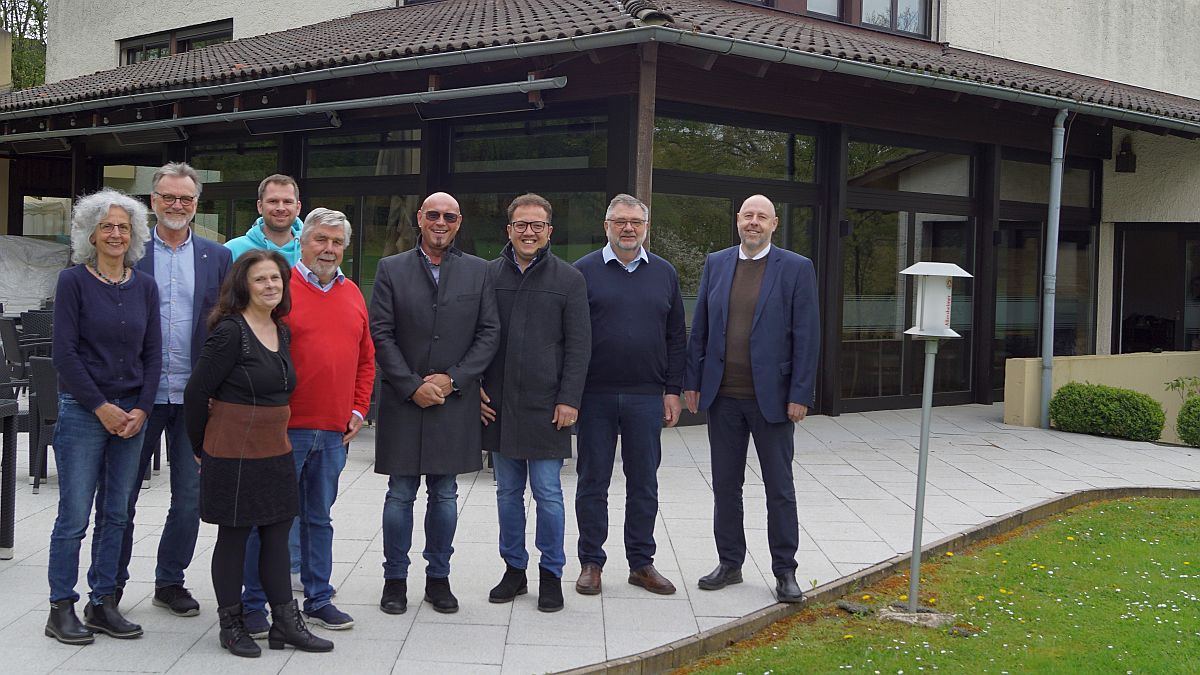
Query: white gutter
x: 1049, y: 280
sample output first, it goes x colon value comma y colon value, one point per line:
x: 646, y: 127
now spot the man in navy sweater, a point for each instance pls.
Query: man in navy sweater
x: 633, y: 384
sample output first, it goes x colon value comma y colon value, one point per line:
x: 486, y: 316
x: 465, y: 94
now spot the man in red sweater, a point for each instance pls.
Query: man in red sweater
x: 334, y: 358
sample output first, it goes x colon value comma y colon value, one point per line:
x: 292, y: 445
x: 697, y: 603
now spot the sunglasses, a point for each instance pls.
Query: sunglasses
x: 443, y: 215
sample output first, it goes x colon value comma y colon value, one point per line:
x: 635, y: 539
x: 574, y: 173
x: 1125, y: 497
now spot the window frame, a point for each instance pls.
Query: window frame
x: 175, y: 41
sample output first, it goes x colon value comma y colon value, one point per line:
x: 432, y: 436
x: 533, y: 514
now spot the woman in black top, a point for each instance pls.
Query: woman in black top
x: 236, y: 404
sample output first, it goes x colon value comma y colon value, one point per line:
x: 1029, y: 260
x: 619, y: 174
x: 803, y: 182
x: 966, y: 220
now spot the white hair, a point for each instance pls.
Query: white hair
x: 627, y: 200
x: 91, y: 209
x: 323, y: 217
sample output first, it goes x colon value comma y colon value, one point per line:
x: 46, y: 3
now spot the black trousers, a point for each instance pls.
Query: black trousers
x: 274, y: 563
x: 731, y: 423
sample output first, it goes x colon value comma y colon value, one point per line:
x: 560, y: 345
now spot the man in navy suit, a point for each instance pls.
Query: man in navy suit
x: 189, y: 270
x: 751, y: 363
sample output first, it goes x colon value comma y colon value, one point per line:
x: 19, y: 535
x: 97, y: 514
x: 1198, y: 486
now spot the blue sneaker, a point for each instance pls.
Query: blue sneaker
x: 331, y: 617
x: 256, y: 624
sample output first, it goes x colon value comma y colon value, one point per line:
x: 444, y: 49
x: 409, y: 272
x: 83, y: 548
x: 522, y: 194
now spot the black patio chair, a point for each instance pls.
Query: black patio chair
x: 37, y: 324
x: 18, y: 348
x: 44, y: 409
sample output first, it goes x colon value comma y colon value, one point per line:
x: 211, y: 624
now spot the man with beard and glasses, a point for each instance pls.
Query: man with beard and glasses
x: 436, y: 328
x: 278, y: 226
x: 334, y: 357
x: 188, y: 270
x: 632, y: 391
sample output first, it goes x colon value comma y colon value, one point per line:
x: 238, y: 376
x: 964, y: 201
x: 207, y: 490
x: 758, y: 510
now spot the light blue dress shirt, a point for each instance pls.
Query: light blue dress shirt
x: 610, y: 255
x: 312, y: 278
x: 175, y: 274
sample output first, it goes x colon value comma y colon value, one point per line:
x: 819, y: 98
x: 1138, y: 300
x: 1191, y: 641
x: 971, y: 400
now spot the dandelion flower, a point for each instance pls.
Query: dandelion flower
x: 979, y: 597
x: 949, y: 554
x: 1070, y: 538
x: 903, y: 598
x: 866, y: 597
x: 847, y: 637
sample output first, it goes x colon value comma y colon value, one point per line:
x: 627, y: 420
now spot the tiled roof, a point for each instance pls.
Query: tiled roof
x: 456, y: 25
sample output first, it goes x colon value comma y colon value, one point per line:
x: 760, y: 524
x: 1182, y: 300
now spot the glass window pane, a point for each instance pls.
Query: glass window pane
x: 708, y: 148
x: 1030, y: 182
x: 220, y: 163
x: 349, y: 206
x: 877, y: 12
x: 383, y: 154
x: 1075, y: 298
x: 940, y: 238
x: 829, y: 7
x: 1191, y: 297
x: 911, y: 16
x: 47, y: 218
x: 568, y: 143
x: 1018, y: 253
x: 212, y: 219
x: 873, y: 303
x: 795, y: 231
x: 684, y: 229
x: 889, y: 167
x: 387, y: 228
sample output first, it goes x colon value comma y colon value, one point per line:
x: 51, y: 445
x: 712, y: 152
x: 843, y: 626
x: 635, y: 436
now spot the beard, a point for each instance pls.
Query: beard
x: 174, y: 223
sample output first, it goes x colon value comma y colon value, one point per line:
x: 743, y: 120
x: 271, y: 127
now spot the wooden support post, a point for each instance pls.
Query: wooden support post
x: 644, y: 148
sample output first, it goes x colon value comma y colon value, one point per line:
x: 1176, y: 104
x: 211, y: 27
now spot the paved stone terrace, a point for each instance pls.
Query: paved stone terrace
x: 855, y: 480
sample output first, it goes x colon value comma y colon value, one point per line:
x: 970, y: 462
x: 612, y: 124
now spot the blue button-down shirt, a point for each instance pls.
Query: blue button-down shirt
x: 175, y: 274
x: 610, y: 255
x: 312, y: 278
x: 434, y: 269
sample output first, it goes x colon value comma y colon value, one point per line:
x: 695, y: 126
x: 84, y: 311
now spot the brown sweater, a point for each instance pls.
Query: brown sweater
x: 738, y: 381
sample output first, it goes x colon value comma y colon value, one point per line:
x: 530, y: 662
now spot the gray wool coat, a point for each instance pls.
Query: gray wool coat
x: 420, y: 328
x: 546, y: 343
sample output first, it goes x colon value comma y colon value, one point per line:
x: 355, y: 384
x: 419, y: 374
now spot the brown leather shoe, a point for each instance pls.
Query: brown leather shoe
x: 649, y: 579
x: 589, y: 580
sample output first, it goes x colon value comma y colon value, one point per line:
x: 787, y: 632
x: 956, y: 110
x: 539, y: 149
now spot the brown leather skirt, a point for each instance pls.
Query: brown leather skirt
x: 238, y: 431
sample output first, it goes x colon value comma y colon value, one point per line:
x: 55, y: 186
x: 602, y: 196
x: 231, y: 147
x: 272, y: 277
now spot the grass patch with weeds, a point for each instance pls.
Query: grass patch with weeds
x: 1103, y: 588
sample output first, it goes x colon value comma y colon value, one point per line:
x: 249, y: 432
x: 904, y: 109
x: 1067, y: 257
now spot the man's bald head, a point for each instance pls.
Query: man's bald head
x: 756, y: 222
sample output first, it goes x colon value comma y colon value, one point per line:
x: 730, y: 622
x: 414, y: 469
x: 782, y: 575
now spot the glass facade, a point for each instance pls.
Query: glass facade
x: 536, y: 145
x: 387, y: 153
x: 726, y: 150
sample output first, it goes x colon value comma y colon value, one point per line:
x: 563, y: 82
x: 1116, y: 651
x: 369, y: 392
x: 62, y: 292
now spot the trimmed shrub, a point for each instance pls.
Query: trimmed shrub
x: 1187, y: 425
x: 1107, y: 411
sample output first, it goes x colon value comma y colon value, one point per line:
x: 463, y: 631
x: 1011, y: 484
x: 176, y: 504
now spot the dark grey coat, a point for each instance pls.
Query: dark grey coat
x: 545, y: 346
x: 420, y: 329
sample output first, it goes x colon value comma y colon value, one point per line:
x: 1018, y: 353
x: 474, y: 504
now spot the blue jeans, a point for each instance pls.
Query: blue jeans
x: 177, y: 543
x: 638, y: 420
x: 546, y: 485
x: 90, y: 459
x: 441, y: 518
x: 320, y: 457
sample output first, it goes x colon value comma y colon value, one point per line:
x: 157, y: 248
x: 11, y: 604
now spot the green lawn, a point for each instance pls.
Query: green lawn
x: 1108, y: 588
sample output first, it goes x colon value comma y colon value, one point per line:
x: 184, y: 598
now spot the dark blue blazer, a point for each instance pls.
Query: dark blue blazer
x: 212, y: 264
x: 785, y: 334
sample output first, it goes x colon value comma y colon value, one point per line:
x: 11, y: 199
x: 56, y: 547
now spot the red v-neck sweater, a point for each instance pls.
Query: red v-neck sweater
x: 332, y: 352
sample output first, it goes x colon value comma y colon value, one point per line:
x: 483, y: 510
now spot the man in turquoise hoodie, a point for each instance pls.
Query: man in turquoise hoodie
x: 278, y: 226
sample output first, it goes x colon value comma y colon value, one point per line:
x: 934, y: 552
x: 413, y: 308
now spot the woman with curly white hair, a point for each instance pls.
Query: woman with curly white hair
x: 107, y: 350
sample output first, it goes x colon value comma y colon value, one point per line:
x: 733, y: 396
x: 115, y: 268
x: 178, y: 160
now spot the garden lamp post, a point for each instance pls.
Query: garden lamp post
x: 935, y: 282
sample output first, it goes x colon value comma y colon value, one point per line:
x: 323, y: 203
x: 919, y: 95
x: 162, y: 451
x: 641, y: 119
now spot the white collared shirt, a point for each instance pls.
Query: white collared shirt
x: 610, y: 255
x: 757, y: 256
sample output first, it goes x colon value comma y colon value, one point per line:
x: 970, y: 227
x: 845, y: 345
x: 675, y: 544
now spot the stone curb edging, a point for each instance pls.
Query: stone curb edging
x: 684, y: 651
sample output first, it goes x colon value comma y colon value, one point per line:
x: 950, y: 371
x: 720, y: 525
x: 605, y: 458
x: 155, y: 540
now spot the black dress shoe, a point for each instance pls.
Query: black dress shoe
x: 550, y: 597
x: 64, y: 626
x: 437, y: 593
x: 721, y: 577
x: 786, y: 588
x: 395, y: 596
x: 106, y: 618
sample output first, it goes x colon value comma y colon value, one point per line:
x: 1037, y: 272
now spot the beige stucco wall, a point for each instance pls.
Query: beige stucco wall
x: 1148, y: 43
x: 1145, y: 373
x: 82, y: 35
x: 1166, y: 186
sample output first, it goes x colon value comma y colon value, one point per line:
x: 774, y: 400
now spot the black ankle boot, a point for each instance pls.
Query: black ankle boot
x: 104, y: 617
x: 550, y: 597
x: 512, y: 584
x: 64, y: 626
x: 437, y: 593
x: 287, y: 626
x: 234, y: 636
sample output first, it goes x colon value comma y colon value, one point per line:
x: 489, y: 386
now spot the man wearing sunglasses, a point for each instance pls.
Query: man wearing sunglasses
x: 532, y: 393
x: 435, y: 326
x: 189, y: 270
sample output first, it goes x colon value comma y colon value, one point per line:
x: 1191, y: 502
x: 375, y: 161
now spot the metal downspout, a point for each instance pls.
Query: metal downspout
x: 1057, y: 153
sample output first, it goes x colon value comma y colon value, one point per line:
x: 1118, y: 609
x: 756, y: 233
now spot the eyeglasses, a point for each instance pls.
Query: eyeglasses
x: 444, y: 215
x: 185, y: 200
x: 107, y: 228
x: 621, y: 224
x: 536, y: 225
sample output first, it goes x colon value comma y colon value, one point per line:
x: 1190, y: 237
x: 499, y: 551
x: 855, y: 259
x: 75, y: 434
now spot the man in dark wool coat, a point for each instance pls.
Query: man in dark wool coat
x: 435, y: 327
x: 531, y: 394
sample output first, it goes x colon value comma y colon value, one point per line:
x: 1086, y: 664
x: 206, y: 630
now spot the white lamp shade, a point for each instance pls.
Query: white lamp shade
x: 935, y: 284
